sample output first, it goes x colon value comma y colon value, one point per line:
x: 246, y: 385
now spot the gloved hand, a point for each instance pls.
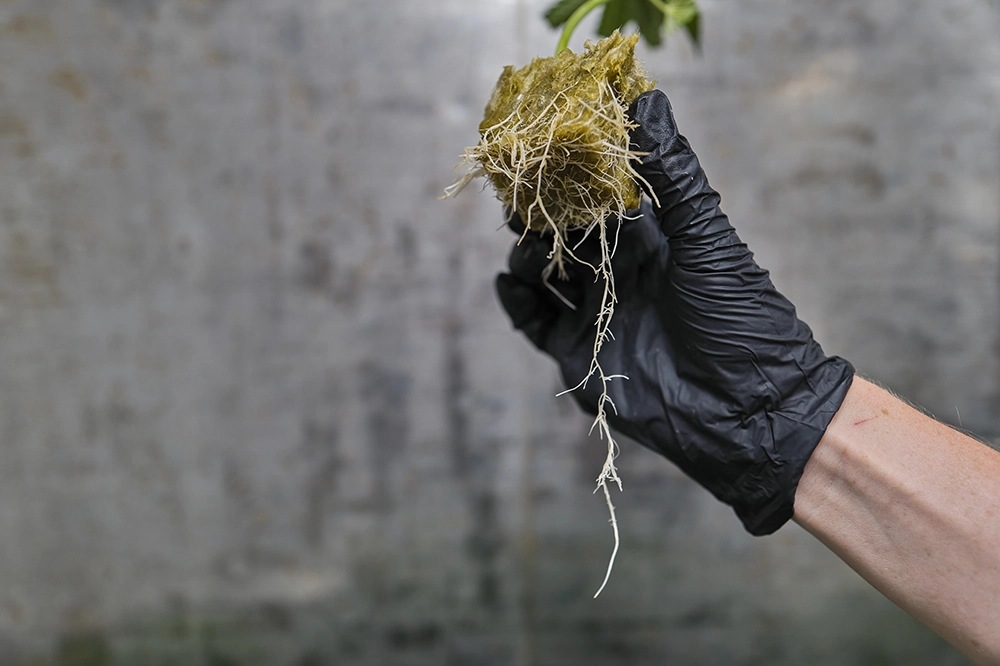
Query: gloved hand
x: 723, y: 378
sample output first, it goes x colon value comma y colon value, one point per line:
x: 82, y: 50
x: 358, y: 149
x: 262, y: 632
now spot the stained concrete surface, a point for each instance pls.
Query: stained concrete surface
x: 258, y: 404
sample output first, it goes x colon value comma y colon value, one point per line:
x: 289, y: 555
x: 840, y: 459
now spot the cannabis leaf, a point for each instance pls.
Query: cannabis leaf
x: 684, y: 14
x: 651, y: 16
x: 560, y: 12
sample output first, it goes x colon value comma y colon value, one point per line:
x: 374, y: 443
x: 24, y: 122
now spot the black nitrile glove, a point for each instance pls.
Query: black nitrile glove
x: 723, y: 378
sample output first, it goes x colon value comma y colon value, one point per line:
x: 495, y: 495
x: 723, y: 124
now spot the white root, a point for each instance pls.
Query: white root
x: 524, y: 163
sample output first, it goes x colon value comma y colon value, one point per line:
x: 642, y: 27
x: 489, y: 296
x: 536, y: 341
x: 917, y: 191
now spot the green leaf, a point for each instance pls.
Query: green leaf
x: 560, y: 12
x: 649, y: 19
x: 693, y: 28
x: 615, y: 16
x: 685, y: 14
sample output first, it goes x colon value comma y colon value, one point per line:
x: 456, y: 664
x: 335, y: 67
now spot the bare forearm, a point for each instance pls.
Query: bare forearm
x: 914, y: 507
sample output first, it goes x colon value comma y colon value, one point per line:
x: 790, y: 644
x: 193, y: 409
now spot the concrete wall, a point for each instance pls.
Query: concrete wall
x: 258, y: 405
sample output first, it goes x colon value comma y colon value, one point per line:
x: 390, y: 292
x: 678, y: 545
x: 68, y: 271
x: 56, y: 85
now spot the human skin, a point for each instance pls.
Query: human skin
x: 914, y: 507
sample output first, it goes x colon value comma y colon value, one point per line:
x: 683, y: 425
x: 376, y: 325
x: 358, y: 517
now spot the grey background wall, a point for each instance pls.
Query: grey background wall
x: 258, y: 405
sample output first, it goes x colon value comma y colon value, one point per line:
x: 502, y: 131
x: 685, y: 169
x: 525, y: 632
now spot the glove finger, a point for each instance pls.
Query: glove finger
x: 530, y: 257
x: 713, y: 271
x: 631, y: 240
x: 514, y: 221
x: 638, y: 239
x: 584, y: 245
x: 722, y: 302
x: 688, y: 207
x: 527, y: 308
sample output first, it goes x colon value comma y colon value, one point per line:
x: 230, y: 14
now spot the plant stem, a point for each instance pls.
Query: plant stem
x: 574, y: 19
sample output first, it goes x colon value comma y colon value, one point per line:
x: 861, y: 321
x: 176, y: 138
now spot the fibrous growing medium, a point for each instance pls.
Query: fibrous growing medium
x: 555, y: 147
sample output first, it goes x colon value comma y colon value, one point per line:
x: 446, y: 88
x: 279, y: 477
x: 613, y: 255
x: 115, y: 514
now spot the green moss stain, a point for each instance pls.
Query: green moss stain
x: 555, y: 137
x: 532, y: 88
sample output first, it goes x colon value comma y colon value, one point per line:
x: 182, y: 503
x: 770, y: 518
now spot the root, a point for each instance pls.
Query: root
x: 603, y: 485
x: 608, y: 299
x: 560, y: 158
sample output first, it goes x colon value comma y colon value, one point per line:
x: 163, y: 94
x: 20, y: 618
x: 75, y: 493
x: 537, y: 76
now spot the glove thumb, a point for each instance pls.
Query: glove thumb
x: 688, y: 207
x: 529, y: 312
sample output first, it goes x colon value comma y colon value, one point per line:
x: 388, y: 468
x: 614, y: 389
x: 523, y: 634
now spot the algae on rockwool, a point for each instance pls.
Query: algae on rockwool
x: 555, y: 137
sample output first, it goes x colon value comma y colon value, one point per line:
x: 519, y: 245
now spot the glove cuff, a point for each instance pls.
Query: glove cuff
x: 797, y: 431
